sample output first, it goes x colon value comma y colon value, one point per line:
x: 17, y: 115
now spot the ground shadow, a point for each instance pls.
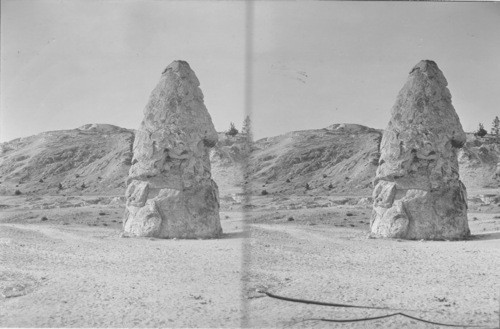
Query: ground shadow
x: 233, y: 235
x: 485, y: 236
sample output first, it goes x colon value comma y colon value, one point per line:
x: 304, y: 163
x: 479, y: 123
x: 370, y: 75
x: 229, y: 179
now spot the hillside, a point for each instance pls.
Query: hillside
x: 227, y: 160
x: 338, y: 160
x: 92, y: 159
x: 479, y: 161
x: 341, y: 158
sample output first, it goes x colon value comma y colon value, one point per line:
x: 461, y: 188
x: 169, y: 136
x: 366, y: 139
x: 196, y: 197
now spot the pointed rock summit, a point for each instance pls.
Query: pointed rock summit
x: 418, y: 193
x: 170, y: 192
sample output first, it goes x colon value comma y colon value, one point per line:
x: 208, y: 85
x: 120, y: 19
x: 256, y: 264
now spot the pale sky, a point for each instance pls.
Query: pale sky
x: 357, y: 56
x: 68, y: 63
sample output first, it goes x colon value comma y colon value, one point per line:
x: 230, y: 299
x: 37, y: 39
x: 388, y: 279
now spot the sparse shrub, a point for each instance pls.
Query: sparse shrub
x: 60, y: 186
x: 330, y: 186
x: 288, y: 180
x: 17, y: 192
x: 41, y: 180
x: 83, y: 186
x: 481, y: 132
x: 307, y: 186
x: 43, y: 219
x: 291, y: 219
x: 324, y: 176
x: 232, y: 130
x: 264, y: 192
x: 77, y: 176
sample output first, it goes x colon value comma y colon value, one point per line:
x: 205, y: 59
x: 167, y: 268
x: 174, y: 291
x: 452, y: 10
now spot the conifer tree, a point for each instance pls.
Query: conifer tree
x: 495, y: 129
x: 247, y: 128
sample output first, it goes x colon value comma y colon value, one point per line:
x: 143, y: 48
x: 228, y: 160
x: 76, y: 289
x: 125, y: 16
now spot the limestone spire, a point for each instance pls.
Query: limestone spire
x: 418, y: 193
x: 170, y: 192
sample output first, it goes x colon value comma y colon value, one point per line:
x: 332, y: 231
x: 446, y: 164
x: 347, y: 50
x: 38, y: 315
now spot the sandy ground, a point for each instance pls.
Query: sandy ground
x: 74, y: 270
x: 325, y: 254
x: 64, y: 264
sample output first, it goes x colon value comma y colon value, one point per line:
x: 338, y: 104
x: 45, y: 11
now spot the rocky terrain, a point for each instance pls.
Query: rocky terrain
x: 309, y: 224
x: 94, y: 160
x: 64, y: 260
x: 305, y: 243
x: 343, y: 158
x: 479, y: 161
x: 339, y: 159
x: 90, y: 160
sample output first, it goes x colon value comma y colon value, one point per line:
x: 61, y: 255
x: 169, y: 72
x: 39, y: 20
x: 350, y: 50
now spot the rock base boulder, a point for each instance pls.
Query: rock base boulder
x: 419, y: 214
x: 172, y: 213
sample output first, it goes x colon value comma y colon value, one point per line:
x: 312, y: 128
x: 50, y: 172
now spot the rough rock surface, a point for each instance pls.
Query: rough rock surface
x: 479, y: 162
x: 99, y: 157
x: 170, y: 192
x: 418, y: 193
x: 92, y: 160
x: 341, y: 158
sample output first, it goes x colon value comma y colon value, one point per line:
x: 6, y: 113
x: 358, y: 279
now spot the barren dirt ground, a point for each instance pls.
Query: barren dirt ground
x: 74, y: 270
x: 64, y: 264
x: 325, y: 254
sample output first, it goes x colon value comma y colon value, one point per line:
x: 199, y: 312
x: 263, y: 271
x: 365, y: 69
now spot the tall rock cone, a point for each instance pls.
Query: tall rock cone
x: 418, y: 193
x: 170, y: 192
